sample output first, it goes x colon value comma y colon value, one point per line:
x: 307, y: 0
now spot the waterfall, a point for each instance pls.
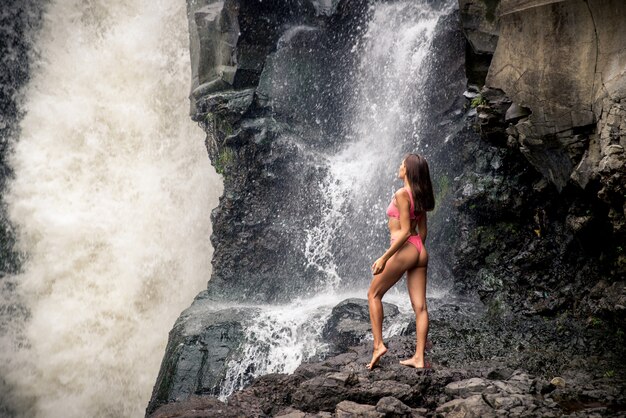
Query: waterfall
x: 110, y: 201
x: 386, y: 121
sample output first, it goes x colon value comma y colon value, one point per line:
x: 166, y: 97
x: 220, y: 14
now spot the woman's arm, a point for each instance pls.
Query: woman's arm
x: 404, y: 205
x: 422, y: 228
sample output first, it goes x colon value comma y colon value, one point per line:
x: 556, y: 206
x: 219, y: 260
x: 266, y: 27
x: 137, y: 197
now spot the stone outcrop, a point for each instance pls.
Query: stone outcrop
x: 571, y: 73
x: 566, y: 63
x: 541, y: 199
x: 479, y: 20
x: 349, y: 323
x: 202, y: 342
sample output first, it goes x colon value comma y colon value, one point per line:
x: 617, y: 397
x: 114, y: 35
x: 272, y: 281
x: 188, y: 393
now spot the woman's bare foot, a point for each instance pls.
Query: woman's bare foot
x: 416, y: 363
x: 378, y: 353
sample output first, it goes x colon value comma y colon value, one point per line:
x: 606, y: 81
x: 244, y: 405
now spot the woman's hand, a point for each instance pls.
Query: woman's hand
x: 379, y: 265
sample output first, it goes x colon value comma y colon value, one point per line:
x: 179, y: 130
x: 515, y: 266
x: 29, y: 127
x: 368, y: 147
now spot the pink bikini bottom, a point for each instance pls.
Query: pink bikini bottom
x: 415, y: 240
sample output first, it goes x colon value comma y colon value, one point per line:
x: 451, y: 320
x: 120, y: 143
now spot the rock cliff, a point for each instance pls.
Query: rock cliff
x: 19, y: 25
x: 545, y: 185
x: 259, y: 117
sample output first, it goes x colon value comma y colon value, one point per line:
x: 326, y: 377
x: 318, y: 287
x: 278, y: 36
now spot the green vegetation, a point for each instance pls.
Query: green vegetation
x: 220, y: 124
x: 224, y: 158
x: 478, y: 101
x: 595, y: 322
x: 442, y: 189
x: 224, y: 126
x: 209, y: 119
x: 491, y: 6
x: 496, y: 308
x: 609, y: 373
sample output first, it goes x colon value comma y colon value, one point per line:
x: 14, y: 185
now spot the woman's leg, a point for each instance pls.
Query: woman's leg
x: 400, y: 262
x: 416, y: 282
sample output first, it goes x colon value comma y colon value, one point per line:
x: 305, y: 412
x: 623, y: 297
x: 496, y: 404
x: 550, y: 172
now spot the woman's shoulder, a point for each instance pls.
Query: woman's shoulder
x: 402, y: 192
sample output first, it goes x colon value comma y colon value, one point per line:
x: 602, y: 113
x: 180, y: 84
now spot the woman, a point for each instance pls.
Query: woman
x: 406, y: 254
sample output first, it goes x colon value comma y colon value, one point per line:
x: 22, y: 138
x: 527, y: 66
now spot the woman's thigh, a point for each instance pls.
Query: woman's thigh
x: 404, y: 259
x: 416, y: 280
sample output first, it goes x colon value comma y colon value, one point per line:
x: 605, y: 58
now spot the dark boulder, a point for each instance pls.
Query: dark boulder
x: 350, y: 322
x: 199, y: 348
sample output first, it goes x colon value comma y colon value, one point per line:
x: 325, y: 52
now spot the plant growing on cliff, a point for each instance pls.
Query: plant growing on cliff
x: 594, y: 322
x: 478, y: 101
x: 224, y: 158
x: 442, y: 188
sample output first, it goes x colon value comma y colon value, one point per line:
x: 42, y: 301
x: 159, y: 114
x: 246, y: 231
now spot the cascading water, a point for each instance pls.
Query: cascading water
x: 386, y: 122
x: 392, y: 72
x: 111, y: 197
x: 279, y: 340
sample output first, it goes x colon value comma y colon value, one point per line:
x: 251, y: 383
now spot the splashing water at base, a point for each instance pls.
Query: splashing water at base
x: 284, y: 336
x: 111, y: 201
x: 279, y: 340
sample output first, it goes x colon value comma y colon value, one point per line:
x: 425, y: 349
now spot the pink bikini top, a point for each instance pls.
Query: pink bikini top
x: 394, y: 212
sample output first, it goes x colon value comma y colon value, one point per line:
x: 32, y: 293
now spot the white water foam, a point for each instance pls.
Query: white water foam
x: 280, y: 339
x: 111, y: 201
x: 284, y: 336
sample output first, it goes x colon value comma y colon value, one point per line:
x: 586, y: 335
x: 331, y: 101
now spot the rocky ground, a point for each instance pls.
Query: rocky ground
x: 481, y: 365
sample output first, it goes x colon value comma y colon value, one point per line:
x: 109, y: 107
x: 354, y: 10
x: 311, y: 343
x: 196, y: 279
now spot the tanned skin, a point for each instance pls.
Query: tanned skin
x: 401, y: 257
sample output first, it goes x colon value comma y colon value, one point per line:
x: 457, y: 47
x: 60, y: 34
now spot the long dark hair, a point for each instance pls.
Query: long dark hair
x: 419, y: 178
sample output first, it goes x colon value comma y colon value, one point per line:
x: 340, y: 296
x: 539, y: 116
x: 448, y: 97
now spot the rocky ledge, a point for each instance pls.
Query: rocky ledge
x: 480, y: 366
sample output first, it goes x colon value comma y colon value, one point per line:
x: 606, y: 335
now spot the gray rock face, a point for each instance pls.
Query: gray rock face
x: 562, y: 217
x: 263, y: 121
x: 229, y: 42
x: 572, y: 87
x: 479, y: 20
x: 200, y: 345
x: 480, y: 24
x: 535, y: 77
x: 20, y: 21
x: 604, y: 162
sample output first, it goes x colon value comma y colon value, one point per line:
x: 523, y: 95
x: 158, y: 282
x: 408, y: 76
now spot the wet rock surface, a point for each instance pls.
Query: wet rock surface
x: 202, y: 342
x: 540, y: 192
x: 266, y: 89
x: 480, y: 366
x: 349, y: 323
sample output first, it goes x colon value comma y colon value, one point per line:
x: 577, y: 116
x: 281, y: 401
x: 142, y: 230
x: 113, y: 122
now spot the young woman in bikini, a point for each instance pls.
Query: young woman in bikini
x: 406, y: 254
